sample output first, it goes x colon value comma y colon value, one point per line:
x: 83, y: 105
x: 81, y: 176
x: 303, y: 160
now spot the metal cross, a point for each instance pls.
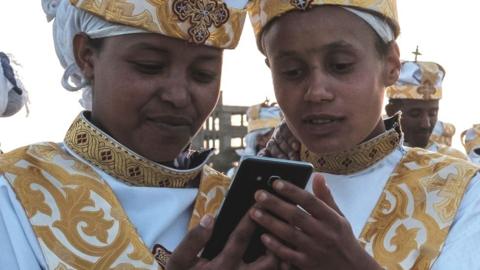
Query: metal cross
x: 416, y: 53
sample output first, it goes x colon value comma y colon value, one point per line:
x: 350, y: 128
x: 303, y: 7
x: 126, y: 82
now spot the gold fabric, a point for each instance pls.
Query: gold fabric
x: 446, y: 150
x: 263, y: 11
x: 103, y: 152
x: 256, y: 122
x: 357, y: 159
x: 446, y: 135
x: 75, y: 215
x: 474, y: 142
x: 210, y: 196
x: 427, y: 88
x: 209, y: 22
x: 411, y: 221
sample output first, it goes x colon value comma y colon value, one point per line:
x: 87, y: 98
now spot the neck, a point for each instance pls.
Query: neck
x: 379, y: 129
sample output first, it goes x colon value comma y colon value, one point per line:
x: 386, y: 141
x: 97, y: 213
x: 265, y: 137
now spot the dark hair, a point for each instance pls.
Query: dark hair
x: 96, y: 43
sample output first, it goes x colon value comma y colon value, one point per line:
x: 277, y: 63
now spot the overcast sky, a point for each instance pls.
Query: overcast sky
x: 447, y: 32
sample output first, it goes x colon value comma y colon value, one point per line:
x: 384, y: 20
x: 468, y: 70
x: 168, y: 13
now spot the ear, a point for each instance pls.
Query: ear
x: 392, y: 64
x: 83, y: 53
x: 391, y: 109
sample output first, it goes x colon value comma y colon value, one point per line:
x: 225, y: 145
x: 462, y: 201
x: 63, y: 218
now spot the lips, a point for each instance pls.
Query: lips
x: 171, y: 121
x: 321, y: 125
x: 321, y: 119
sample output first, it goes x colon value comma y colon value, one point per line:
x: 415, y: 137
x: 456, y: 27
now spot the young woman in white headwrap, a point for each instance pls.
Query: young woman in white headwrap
x: 121, y: 191
x: 376, y: 204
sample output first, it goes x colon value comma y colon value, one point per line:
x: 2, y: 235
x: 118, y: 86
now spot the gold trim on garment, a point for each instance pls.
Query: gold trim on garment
x: 408, y: 226
x: 105, y: 153
x: 357, y: 159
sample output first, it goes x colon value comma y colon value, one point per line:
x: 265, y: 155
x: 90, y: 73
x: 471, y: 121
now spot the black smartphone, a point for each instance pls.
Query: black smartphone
x: 254, y: 173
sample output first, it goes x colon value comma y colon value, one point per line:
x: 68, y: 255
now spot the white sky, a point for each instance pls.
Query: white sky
x: 446, y: 31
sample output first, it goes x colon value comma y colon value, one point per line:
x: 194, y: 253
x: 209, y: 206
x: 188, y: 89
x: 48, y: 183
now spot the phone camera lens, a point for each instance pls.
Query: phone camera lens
x: 259, y: 178
x: 272, y: 179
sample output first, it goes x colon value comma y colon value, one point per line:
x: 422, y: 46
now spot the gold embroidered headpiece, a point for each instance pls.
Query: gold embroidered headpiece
x: 263, y: 116
x: 443, y: 133
x: 471, y: 138
x: 418, y: 80
x: 210, y: 22
x: 262, y: 12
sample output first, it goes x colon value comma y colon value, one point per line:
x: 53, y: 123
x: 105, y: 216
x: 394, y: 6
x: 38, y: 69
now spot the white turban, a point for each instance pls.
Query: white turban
x: 379, y: 25
x: 68, y: 22
x: 12, y: 92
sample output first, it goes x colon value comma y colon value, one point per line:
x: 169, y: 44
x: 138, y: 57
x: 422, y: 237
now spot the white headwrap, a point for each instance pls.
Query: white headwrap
x: 10, y: 101
x: 70, y: 21
x: 381, y: 27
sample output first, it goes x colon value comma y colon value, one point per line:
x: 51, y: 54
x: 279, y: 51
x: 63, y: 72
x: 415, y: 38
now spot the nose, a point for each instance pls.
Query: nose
x: 175, y: 90
x: 425, y: 121
x: 318, y: 88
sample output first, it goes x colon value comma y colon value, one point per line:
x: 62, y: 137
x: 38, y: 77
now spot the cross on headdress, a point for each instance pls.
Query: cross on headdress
x: 416, y: 53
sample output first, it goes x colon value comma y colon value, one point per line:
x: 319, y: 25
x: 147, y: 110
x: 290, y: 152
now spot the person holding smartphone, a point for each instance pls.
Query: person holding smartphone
x: 377, y: 203
x: 122, y: 191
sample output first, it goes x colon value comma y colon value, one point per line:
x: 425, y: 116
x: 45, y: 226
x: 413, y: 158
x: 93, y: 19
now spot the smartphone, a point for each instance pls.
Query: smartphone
x: 254, y: 173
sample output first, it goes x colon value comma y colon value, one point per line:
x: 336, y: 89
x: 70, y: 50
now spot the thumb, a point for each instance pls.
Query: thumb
x: 322, y: 192
x: 185, y: 255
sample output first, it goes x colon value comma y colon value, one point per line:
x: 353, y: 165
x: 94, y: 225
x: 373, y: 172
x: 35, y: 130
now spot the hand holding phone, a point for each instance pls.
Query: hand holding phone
x: 254, y: 173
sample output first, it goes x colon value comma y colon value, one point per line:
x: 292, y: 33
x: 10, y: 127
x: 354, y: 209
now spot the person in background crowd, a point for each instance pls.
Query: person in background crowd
x: 471, y: 141
x: 13, y: 95
x: 417, y: 94
x: 381, y: 205
x: 122, y: 191
x: 262, y: 119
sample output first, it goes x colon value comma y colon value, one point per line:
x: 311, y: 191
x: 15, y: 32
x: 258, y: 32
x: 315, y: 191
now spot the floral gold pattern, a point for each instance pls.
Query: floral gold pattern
x: 208, y: 22
x: 202, y: 14
x: 263, y: 11
x: 104, y: 152
x: 210, y: 196
x: 410, y: 222
x: 75, y: 215
x: 356, y: 159
x: 428, y: 78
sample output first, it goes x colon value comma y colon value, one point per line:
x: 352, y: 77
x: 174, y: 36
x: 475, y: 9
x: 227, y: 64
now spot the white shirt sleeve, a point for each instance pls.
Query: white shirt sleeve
x: 19, y: 248
x: 461, y: 246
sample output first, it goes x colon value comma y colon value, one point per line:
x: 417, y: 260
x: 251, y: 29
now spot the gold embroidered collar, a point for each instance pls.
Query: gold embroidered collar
x: 361, y: 156
x: 105, y: 153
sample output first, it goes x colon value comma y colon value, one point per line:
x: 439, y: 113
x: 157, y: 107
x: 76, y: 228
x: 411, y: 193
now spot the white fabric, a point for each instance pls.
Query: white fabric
x: 471, y: 135
x: 5, y: 88
x: 411, y: 74
x: 70, y: 21
x: 378, y: 24
x: 160, y: 215
x: 356, y: 195
x: 10, y: 101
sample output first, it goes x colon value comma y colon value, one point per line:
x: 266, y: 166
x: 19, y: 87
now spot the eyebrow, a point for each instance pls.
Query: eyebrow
x: 159, y: 50
x: 148, y: 47
x: 337, y: 45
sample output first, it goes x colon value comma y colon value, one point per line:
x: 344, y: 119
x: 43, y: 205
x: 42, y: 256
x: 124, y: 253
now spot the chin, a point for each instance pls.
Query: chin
x: 325, y: 146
